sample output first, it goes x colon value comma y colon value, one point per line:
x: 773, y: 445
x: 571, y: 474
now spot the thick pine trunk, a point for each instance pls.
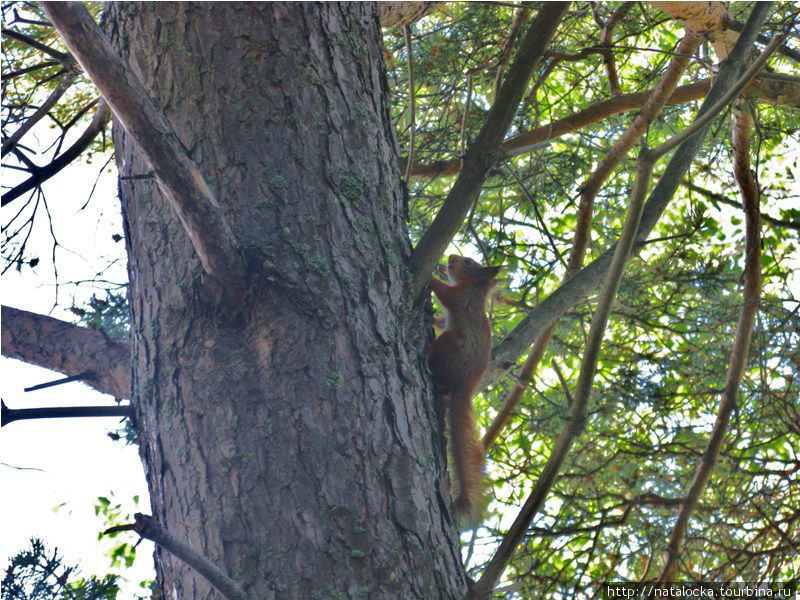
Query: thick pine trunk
x: 291, y: 438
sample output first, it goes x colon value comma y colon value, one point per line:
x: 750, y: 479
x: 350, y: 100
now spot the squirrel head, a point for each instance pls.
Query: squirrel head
x: 461, y: 269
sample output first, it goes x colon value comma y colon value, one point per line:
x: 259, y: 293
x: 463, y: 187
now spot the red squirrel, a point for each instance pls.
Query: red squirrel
x: 458, y: 359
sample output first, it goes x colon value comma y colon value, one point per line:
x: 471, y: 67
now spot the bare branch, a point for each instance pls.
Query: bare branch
x: 64, y: 59
x: 150, y: 529
x: 69, y: 349
x: 483, y: 152
x: 42, y: 174
x: 185, y: 188
x: 50, y: 102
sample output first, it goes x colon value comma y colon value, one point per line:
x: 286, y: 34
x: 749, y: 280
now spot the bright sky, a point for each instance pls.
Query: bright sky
x: 52, y: 471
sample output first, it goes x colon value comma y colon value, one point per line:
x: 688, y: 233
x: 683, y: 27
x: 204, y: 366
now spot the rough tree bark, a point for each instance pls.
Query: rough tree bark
x: 290, y: 438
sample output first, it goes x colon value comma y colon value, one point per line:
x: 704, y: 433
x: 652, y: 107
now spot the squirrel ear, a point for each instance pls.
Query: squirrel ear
x: 492, y: 271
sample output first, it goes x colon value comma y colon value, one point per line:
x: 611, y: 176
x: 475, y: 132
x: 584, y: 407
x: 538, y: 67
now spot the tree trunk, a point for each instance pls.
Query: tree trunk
x: 291, y: 438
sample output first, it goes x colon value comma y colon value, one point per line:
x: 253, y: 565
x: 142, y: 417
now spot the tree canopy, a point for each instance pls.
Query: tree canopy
x: 643, y: 493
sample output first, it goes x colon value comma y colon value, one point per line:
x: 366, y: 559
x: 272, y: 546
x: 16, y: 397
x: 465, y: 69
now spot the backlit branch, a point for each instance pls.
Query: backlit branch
x: 583, y: 283
x: 741, y: 345
x: 771, y: 88
x: 482, y: 154
x: 41, y: 174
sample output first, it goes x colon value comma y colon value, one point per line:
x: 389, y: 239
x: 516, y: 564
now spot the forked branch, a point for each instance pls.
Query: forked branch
x: 185, y: 187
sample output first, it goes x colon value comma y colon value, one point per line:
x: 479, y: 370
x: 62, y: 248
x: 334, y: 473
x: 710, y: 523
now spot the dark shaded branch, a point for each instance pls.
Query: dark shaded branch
x: 31, y: 69
x: 69, y: 349
x: 150, y: 529
x: 741, y: 345
x: 583, y: 283
x: 725, y: 200
x: 64, y: 59
x: 50, y: 102
x: 42, y: 174
x: 185, y: 188
x: 9, y: 415
x: 483, y: 152
x: 732, y: 23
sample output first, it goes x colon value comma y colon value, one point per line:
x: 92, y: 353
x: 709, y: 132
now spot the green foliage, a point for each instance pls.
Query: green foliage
x: 672, y: 326
x: 38, y: 574
x: 667, y: 346
x: 110, y: 314
x: 113, y: 514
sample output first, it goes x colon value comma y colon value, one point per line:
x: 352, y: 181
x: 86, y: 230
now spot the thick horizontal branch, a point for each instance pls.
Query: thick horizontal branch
x: 42, y: 174
x: 66, y: 348
x: 185, y: 188
x: 579, y: 287
x: 404, y: 13
x: 777, y: 90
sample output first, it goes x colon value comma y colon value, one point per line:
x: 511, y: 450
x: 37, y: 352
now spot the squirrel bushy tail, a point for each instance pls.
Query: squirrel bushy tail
x: 467, y: 455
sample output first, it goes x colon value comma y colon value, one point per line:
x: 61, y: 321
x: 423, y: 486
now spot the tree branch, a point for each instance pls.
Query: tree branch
x: 185, y: 188
x: 42, y: 174
x: 483, y: 152
x: 10, y: 142
x: 69, y: 349
x: 772, y: 88
x: 404, y: 13
x: 583, y: 283
x: 576, y: 418
x: 741, y: 346
x: 64, y: 59
x: 652, y: 107
x: 725, y: 200
x: 150, y: 529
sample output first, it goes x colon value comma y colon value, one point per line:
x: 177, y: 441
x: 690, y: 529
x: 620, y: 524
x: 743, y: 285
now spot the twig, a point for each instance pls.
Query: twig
x: 725, y: 200
x: 50, y: 102
x: 412, y: 94
x: 42, y: 174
